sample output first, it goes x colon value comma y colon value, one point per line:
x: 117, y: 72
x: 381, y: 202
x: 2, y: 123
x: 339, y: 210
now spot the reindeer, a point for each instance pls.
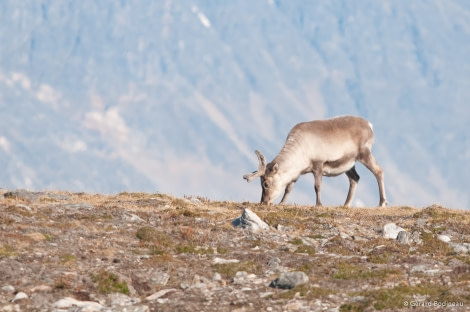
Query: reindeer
x: 325, y: 148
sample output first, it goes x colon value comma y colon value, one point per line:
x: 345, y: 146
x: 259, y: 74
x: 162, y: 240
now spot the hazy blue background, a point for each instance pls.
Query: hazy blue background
x: 174, y: 96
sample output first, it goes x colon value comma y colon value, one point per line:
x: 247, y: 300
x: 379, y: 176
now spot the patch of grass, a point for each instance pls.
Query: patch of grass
x: 192, y: 249
x: 151, y: 234
x: 228, y: 270
x: 156, y: 241
x: 347, y: 271
x: 222, y: 250
x: 7, y: 251
x: 432, y: 245
x: 109, y: 283
x: 296, y: 241
x: 394, y: 298
x: 386, y: 254
x: 310, y: 250
x: 67, y: 258
x: 303, y: 291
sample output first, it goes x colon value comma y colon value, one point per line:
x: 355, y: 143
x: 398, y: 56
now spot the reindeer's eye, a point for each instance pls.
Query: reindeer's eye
x: 266, y: 185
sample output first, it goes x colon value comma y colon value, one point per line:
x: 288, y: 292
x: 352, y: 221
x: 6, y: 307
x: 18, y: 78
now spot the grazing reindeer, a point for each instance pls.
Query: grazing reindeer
x: 325, y: 148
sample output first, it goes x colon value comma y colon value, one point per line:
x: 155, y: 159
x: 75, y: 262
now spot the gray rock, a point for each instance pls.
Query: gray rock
x: 391, y: 231
x: 135, y: 308
x: 289, y: 280
x: 460, y: 247
x: 274, y: 262
x: 159, y: 278
x: 79, y: 206
x: 404, y: 237
x: 118, y: 299
x: 408, y: 238
x: 421, y: 222
x: 8, y: 289
x: 250, y: 221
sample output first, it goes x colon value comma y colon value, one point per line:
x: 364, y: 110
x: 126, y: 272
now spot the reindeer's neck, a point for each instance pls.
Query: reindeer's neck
x: 291, y: 158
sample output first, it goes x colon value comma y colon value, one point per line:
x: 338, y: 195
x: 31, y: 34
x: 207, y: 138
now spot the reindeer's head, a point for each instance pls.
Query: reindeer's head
x: 270, y: 180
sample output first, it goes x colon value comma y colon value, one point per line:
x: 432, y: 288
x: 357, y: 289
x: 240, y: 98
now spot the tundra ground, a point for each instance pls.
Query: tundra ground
x: 62, y: 251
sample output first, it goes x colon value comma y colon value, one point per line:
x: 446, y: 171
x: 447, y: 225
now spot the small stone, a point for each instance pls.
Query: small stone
x: 274, y: 262
x: 239, y: 277
x: 160, y: 294
x: 217, y: 277
x: 8, y: 288
x: 41, y: 288
x: 217, y: 260
x: 421, y: 222
x: 444, y: 238
x: 27, y: 208
x: 289, y: 280
x: 20, y: 296
x: 391, y: 231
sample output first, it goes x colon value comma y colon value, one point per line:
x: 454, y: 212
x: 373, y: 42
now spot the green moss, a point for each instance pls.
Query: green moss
x: 296, y: 241
x: 109, y: 283
x: 192, y: 249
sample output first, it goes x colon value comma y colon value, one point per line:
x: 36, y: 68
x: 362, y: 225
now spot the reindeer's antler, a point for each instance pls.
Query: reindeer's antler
x: 261, y: 168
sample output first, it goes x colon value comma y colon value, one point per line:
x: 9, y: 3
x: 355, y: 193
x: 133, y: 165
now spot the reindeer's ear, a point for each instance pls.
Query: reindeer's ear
x: 275, y: 168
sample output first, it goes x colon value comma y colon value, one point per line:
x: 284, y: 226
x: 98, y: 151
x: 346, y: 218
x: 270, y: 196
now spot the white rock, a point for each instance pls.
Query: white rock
x: 20, y: 296
x: 250, y: 221
x: 68, y: 302
x: 391, y: 231
x: 444, y: 238
x: 217, y: 260
x: 160, y: 294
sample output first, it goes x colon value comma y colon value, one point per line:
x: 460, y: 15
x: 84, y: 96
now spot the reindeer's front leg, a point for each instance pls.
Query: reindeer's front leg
x: 318, y: 178
x: 287, y: 191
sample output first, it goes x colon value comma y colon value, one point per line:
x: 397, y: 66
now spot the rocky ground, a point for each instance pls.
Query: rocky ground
x: 134, y: 252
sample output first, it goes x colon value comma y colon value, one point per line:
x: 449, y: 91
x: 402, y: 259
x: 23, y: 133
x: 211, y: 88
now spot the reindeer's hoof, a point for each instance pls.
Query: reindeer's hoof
x: 383, y: 203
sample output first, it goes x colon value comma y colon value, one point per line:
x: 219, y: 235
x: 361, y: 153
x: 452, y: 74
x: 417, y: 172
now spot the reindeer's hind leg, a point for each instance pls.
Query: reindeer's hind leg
x: 368, y: 160
x: 353, y: 179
